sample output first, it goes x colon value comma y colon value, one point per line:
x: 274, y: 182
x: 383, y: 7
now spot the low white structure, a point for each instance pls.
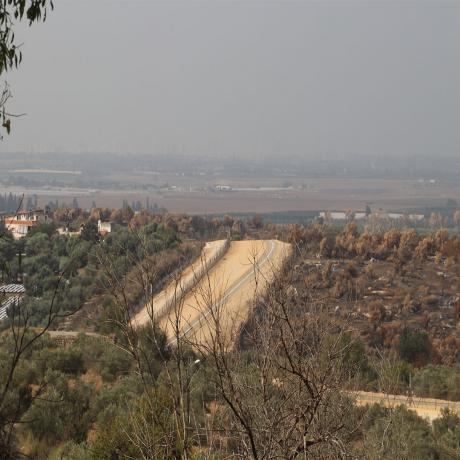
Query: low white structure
x: 341, y: 215
x: 223, y: 188
x: 67, y: 232
x: 104, y: 227
x: 413, y: 217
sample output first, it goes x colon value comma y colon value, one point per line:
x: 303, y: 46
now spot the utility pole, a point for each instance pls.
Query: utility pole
x: 20, y: 277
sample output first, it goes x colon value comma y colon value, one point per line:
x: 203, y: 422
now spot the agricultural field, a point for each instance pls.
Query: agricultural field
x: 199, y: 185
x: 197, y: 196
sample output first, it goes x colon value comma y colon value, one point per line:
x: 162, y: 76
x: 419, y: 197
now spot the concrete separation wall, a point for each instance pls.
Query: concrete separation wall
x: 235, y: 281
x: 187, y: 283
x: 162, y: 303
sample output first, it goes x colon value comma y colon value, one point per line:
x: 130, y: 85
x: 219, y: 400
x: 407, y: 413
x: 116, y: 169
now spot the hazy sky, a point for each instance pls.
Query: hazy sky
x: 214, y: 77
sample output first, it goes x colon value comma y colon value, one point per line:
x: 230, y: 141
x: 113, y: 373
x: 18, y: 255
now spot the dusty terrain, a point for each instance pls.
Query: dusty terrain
x: 225, y: 294
x: 381, y: 300
x: 178, y: 287
x: 193, y: 195
x: 425, y: 407
x: 225, y: 291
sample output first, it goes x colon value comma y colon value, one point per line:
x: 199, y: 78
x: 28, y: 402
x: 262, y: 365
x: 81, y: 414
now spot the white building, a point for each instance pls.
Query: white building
x: 20, y: 224
x: 104, y: 227
x: 223, y: 188
x: 341, y: 215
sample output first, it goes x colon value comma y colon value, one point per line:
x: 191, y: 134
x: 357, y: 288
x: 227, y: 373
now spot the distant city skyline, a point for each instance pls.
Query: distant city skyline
x: 249, y: 78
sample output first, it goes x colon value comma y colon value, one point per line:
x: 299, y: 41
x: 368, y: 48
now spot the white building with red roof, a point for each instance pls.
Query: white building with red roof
x: 20, y: 224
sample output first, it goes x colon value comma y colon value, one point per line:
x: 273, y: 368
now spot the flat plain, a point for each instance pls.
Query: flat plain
x: 180, y: 194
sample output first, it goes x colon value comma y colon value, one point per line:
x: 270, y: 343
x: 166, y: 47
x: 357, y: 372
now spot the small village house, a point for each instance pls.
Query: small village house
x: 21, y: 223
x: 103, y: 228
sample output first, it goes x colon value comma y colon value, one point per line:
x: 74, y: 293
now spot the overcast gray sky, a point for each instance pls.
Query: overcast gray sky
x: 214, y: 77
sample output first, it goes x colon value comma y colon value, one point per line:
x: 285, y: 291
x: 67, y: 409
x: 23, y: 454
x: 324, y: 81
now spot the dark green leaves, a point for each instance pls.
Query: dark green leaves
x: 12, y: 11
x: 7, y: 125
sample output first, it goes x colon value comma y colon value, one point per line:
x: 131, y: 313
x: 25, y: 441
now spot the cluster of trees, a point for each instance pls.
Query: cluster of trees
x: 73, y: 217
x: 438, y: 220
x: 138, y: 206
x: 398, y: 244
x: 88, y: 402
x: 377, y: 279
x: 437, y: 381
x: 400, y: 433
x: 435, y: 220
x: 194, y: 226
x: 69, y: 271
x: 51, y: 397
x: 279, y: 392
x: 404, y: 245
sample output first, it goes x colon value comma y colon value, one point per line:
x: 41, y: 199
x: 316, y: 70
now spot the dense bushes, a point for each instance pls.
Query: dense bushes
x: 55, y: 389
x: 69, y: 269
x: 401, y: 245
x: 414, y: 347
x: 62, y: 411
x: 91, y: 403
x: 400, y: 433
x: 437, y: 382
x: 88, y: 401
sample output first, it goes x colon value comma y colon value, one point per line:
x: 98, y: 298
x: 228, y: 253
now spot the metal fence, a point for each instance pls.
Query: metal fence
x: 410, y: 401
x: 4, y: 306
x: 12, y: 289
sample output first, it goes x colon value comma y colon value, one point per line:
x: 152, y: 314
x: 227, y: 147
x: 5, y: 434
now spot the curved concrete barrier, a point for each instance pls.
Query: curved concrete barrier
x: 187, y: 283
x: 162, y: 303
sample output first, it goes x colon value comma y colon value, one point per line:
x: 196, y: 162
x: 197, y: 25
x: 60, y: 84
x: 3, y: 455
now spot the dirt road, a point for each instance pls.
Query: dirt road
x: 160, y: 303
x: 240, y: 276
x: 425, y: 407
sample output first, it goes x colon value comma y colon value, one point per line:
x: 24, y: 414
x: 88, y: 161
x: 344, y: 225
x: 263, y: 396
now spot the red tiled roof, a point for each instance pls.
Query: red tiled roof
x: 29, y: 223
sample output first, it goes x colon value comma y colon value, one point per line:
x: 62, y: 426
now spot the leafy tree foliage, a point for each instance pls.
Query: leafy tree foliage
x: 414, y: 346
x: 447, y: 434
x: 63, y: 411
x: 12, y: 11
x: 398, y: 433
x: 440, y: 382
x: 71, y: 268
